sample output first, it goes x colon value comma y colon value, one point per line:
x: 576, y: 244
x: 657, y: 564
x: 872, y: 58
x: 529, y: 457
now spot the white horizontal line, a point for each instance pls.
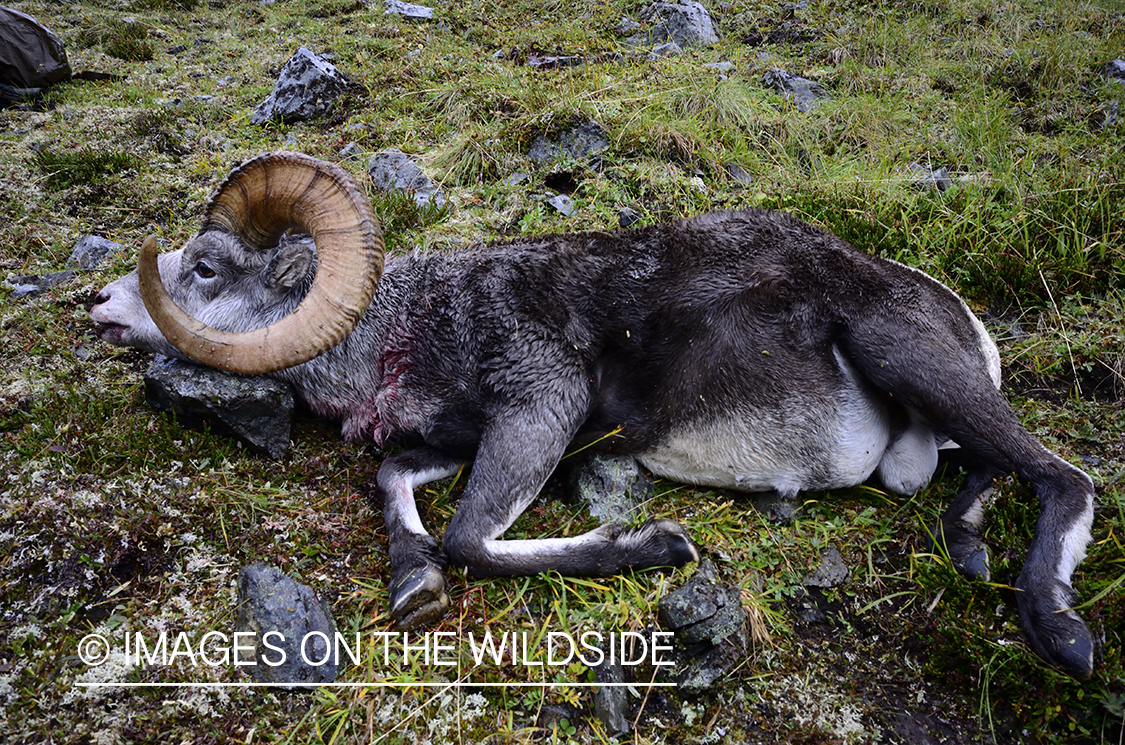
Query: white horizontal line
x: 376, y: 684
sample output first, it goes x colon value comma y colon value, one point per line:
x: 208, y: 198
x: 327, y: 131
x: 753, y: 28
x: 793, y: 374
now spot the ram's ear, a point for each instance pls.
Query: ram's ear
x: 291, y: 266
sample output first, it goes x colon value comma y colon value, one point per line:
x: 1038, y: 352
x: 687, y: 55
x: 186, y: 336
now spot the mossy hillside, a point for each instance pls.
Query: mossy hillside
x: 115, y: 518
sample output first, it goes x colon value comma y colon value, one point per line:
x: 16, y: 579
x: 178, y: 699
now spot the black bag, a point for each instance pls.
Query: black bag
x: 30, y: 55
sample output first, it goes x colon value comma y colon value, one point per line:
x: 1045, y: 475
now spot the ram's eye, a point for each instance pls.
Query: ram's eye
x: 203, y: 270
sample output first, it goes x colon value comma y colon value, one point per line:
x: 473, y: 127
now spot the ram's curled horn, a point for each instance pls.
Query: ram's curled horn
x: 258, y: 202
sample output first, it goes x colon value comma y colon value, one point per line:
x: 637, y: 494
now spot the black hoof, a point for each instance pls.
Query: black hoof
x: 965, y: 548
x: 974, y: 565
x: 419, y: 598
x: 1060, y: 637
x: 658, y: 543
x: 417, y: 586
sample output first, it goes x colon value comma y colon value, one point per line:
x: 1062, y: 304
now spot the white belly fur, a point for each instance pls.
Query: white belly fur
x: 793, y: 451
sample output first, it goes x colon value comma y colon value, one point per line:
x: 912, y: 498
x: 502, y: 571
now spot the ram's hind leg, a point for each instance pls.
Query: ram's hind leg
x: 417, y: 586
x: 924, y: 366
x: 958, y: 532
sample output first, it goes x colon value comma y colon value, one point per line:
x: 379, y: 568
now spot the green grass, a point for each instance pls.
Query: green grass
x: 115, y: 518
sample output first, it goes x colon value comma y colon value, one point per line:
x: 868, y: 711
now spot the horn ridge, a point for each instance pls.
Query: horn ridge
x: 257, y: 202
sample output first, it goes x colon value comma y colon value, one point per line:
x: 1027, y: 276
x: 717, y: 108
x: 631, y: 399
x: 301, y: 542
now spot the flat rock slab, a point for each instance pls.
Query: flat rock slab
x: 408, y: 10
x: 581, y: 142
x: 30, y: 285
x: 611, y: 486
x: 806, y: 94
x: 306, y: 88
x: 298, y: 622
x: 1115, y: 71
x: 91, y: 251
x: 393, y: 170
x: 685, y: 23
x: 708, y: 619
x: 832, y: 571
x: 257, y: 410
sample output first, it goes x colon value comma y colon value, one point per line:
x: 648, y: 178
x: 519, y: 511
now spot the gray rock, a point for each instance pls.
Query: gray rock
x: 579, y: 143
x: 1105, y: 117
x: 739, y: 174
x: 687, y: 23
x: 550, y: 61
x: 393, y: 170
x: 1115, y: 71
x: 515, y: 179
x: 778, y: 510
x: 92, y: 250
x: 703, y: 609
x: 256, y: 410
x: 408, y: 11
x: 805, y: 94
x: 707, y: 618
x: 563, y: 204
x: 611, y: 486
x: 832, y: 571
x: 719, y: 66
x: 667, y: 49
x: 269, y: 601
x: 626, y: 26
x: 924, y: 178
x: 306, y: 88
x: 30, y: 285
x: 612, y: 706
x: 628, y: 216
x: 351, y: 151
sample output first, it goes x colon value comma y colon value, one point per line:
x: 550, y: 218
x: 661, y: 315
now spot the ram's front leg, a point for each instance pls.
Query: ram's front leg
x: 516, y: 456
x: 417, y: 586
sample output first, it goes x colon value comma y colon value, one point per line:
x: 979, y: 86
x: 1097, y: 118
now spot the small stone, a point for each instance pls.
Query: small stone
x: 306, y: 88
x: 687, y: 23
x: 546, y: 62
x: 928, y: 179
x: 178, y: 49
x: 351, y: 151
x: 31, y: 285
x: 703, y: 609
x: 612, y: 705
x: 778, y: 510
x: 393, y: 170
x: 805, y: 94
x: 301, y: 625
x: 516, y: 178
x: 408, y: 11
x: 92, y: 250
x: 255, y: 409
x: 1115, y: 71
x: 626, y: 26
x: 739, y: 174
x: 832, y: 571
x: 579, y: 143
x: 667, y: 49
x: 563, y: 204
x: 719, y: 66
x: 628, y: 216
x: 612, y: 487
x: 708, y: 619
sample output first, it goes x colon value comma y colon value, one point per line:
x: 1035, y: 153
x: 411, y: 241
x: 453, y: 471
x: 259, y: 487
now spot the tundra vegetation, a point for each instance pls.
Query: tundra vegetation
x: 115, y: 519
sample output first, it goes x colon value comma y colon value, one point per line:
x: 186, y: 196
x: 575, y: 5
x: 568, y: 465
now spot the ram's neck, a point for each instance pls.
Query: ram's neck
x: 356, y: 381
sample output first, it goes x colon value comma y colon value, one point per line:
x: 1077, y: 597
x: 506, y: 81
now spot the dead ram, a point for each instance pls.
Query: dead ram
x: 742, y: 350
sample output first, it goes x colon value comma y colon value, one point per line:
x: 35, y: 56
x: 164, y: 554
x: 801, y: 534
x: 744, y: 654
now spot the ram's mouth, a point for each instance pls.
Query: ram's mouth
x: 110, y: 332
